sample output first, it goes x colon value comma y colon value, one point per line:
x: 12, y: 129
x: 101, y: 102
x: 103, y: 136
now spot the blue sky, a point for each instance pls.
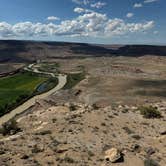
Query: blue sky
x: 92, y: 21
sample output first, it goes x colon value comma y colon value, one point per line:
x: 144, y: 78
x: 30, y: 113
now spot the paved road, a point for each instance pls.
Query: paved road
x: 62, y: 81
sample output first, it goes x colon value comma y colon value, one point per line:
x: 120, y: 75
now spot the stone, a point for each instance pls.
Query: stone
x: 113, y: 155
x: 135, y: 148
x: 24, y: 157
x: 150, y: 151
x: 162, y: 132
x: 78, y: 92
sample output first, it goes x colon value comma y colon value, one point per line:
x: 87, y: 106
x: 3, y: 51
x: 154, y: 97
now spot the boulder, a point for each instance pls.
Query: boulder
x: 113, y: 155
x: 162, y: 131
x: 150, y: 151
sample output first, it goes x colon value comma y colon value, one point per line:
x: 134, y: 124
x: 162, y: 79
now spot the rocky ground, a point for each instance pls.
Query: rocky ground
x: 124, y: 80
x: 98, y: 122
x: 86, y: 135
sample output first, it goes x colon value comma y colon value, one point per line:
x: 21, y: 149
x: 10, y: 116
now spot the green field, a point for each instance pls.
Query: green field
x: 49, y: 67
x: 73, y: 79
x: 16, y: 88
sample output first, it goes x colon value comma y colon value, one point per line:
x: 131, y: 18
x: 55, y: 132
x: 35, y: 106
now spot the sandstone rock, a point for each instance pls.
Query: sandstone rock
x: 58, y: 109
x: 113, y: 155
x: 120, y: 106
x: 150, y: 151
x: 134, y: 108
x: 24, y: 156
x: 162, y: 132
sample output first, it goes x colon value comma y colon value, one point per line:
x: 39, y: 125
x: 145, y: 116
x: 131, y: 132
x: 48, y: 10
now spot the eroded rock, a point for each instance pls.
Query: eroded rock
x: 113, y: 155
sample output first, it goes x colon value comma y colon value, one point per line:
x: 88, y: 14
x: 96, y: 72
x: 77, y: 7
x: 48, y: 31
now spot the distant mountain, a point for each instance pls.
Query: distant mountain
x: 141, y: 50
x: 28, y: 51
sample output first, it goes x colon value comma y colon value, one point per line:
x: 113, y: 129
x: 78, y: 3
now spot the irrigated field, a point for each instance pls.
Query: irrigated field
x: 16, y: 88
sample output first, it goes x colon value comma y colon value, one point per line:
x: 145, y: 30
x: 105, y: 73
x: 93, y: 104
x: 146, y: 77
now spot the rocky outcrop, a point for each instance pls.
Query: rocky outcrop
x: 80, y: 134
x: 113, y: 155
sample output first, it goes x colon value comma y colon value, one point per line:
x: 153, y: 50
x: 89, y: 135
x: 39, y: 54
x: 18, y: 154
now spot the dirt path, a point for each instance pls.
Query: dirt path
x: 31, y: 102
x: 32, y: 69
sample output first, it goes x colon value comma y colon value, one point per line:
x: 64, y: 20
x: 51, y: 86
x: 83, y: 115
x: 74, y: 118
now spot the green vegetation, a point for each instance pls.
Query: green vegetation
x: 73, y: 107
x: 150, y: 112
x: 73, y: 79
x: 10, y: 127
x: 49, y: 67
x: 128, y: 130
x: 69, y: 160
x: 18, y: 88
x: 150, y: 162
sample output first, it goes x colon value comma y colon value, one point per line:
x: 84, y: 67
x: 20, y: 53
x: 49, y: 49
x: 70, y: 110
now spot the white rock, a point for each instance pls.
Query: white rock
x: 112, y: 155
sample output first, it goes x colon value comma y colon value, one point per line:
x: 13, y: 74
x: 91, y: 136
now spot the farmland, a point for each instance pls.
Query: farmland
x: 17, y: 88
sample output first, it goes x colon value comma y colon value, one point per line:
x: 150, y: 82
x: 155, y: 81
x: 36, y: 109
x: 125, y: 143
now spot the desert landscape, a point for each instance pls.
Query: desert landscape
x: 107, y: 108
x: 82, y: 83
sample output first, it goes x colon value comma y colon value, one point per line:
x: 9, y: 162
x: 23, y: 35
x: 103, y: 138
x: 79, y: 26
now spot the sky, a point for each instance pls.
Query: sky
x: 90, y: 21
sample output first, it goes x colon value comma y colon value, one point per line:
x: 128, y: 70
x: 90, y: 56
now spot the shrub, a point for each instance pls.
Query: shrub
x: 2, y: 110
x: 150, y: 162
x: 22, y: 98
x: 69, y: 160
x: 95, y: 106
x: 73, y: 79
x: 91, y: 154
x: 53, y: 145
x: 150, y: 112
x: 127, y: 130
x: 136, y: 136
x: 10, y: 127
x: 37, y: 149
x: 73, y: 107
x: 45, y: 132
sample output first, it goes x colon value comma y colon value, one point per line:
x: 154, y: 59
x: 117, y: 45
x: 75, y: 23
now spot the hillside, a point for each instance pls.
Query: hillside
x: 29, y: 51
x: 110, y: 109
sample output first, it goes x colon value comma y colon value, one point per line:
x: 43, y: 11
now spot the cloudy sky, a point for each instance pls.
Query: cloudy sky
x: 93, y: 21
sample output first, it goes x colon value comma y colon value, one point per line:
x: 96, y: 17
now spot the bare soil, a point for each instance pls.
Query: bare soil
x: 76, y: 126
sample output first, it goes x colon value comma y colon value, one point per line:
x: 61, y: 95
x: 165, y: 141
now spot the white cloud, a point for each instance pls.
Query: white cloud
x: 119, y: 27
x: 52, y: 18
x: 5, y: 29
x: 150, y: 1
x: 86, y: 24
x: 82, y: 10
x: 84, y: 2
x: 32, y: 29
x: 98, y: 5
x: 78, y: 10
x: 129, y: 15
x: 137, y: 5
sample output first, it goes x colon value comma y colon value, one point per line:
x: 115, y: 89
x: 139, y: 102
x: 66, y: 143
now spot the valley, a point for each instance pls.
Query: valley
x: 90, y: 109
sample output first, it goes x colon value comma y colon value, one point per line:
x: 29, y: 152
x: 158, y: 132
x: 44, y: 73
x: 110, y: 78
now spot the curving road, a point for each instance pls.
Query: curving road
x: 61, y: 82
x: 32, y: 69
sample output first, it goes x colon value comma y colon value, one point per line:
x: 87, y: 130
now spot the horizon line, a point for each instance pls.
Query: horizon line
x: 93, y: 43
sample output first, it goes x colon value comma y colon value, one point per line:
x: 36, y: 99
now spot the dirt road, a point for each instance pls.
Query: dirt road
x: 31, y: 102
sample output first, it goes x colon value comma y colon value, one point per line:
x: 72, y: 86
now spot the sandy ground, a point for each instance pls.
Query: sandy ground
x: 80, y: 137
x: 124, y: 80
x: 71, y: 128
